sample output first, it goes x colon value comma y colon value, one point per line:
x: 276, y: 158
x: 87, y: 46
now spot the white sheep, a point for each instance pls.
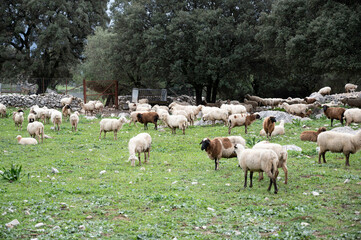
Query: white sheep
x: 56, y: 118
x: 206, y: 110
x: 36, y: 129
x: 235, y: 120
x: 175, y: 121
x: 132, y: 106
x: 296, y: 109
x: 281, y: 153
x: 39, y: 112
x: 190, y: 117
x: 66, y: 101
x: 88, y: 107
x: 234, y: 109
x: 143, y: 107
x: 349, y: 87
x: 216, y: 114
x: 2, y: 110
x: 352, y: 115
x: 138, y: 144
x: 26, y: 141
x: 338, y: 142
x: 18, y: 118
x: 325, y: 91
x: 258, y: 160
x: 99, y: 106
x: 31, y: 117
x: 221, y: 147
x: 143, y: 101
x: 74, y: 120
x: 279, y: 130
x: 111, y: 125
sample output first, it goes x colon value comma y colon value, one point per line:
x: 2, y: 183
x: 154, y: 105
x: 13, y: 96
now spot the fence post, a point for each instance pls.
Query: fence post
x: 84, y: 90
x: 116, y: 95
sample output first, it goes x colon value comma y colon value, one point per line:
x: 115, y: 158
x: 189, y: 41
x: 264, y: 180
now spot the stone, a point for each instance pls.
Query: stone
x: 54, y: 170
x: 12, y: 224
x: 292, y: 148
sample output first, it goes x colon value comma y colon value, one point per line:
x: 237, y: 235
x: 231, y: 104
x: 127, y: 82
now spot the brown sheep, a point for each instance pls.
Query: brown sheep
x: 66, y: 111
x: 352, y: 102
x: 241, y: 120
x: 221, y: 147
x: 148, y: 117
x: 269, y: 125
x: 310, y: 100
x: 334, y: 113
x: 311, y: 135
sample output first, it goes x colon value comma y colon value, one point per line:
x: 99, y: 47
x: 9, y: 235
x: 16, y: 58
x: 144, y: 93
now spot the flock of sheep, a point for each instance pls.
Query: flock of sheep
x: 263, y: 157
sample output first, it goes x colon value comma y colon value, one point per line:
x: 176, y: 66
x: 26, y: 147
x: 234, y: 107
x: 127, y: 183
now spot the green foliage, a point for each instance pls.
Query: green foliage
x: 297, y: 122
x: 252, y: 141
x: 12, y: 174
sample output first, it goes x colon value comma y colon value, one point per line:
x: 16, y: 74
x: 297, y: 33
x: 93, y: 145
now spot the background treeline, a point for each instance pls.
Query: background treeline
x: 216, y: 49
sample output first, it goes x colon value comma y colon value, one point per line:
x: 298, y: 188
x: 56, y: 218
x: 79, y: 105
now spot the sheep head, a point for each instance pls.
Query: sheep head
x: 325, y: 107
x: 132, y: 158
x: 257, y: 116
x: 205, y: 143
x: 273, y: 119
x: 238, y: 148
x: 321, y: 129
x: 18, y: 137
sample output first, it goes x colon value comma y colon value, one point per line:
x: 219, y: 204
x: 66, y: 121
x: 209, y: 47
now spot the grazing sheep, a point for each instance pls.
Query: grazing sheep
x: 148, y: 117
x: 334, y: 113
x: 74, y: 120
x: 206, y: 110
x: 338, y: 142
x: 296, y: 109
x: 99, y: 106
x: 269, y: 125
x: 111, y: 125
x: 310, y: 100
x: 36, y: 129
x: 281, y: 153
x: 56, y: 119
x: 40, y: 113
x: 311, y: 135
x: 66, y: 111
x: 352, y: 102
x: 349, y: 87
x: 174, y: 122
x: 18, y: 118
x: 216, y: 114
x: 66, y: 101
x: 2, y: 110
x: 279, y: 130
x: 31, y: 117
x: 26, y: 141
x: 234, y: 109
x: 352, y: 115
x: 241, y: 120
x: 325, y: 91
x: 254, y: 98
x: 138, y: 144
x: 88, y: 107
x: 133, y: 117
x: 188, y: 113
x: 253, y: 103
x: 221, y: 147
x: 258, y: 160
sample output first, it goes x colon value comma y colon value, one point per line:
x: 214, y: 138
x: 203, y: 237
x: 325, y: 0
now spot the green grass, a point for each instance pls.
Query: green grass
x: 177, y: 195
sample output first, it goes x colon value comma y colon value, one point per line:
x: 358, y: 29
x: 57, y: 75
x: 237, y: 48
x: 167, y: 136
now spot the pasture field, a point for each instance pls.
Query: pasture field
x: 177, y: 195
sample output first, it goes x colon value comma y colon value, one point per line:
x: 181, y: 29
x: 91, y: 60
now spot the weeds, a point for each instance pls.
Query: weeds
x: 12, y: 174
x: 297, y: 122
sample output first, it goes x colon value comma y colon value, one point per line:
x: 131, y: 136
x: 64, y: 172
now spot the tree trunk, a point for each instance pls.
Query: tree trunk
x: 42, y: 85
x: 209, y: 92
x: 198, y: 89
x: 110, y: 101
x: 215, y: 90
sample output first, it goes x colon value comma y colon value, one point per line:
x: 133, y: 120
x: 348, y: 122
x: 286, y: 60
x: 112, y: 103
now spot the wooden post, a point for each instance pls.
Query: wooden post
x: 84, y: 90
x: 116, y: 95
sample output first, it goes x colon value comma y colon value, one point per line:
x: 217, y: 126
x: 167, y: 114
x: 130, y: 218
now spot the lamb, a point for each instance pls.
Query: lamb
x: 234, y: 109
x: 217, y: 114
x: 221, y: 147
x: 138, y: 144
x: 258, y: 160
x: 148, y: 117
x: 241, y: 119
x: 269, y: 125
x: 88, y: 107
x: 325, y: 91
x: 279, y: 130
x: 334, y: 113
x: 338, y: 142
x: 349, y: 87
x: 311, y: 135
x: 175, y: 121
x: 66, y: 111
x: 352, y: 115
x: 66, y: 101
x: 281, y: 154
x: 74, y: 120
x: 26, y: 141
x: 2, y: 110
x: 99, y: 106
x: 56, y: 119
x: 36, y: 128
x: 296, y: 109
x: 18, y: 118
x: 111, y: 125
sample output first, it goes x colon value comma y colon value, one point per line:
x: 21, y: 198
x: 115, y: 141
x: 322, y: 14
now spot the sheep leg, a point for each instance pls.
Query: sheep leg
x: 115, y: 135
x: 270, y: 184
x: 245, y: 179
x: 140, y: 161
x: 229, y: 130
x: 275, y: 185
x: 260, y: 176
x: 245, y: 129
x: 105, y: 133
x: 100, y: 134
x: 341, y: 120
x: 216, y: 162
x: 156, y: 128
x: 323, y: 156
x: 184, y: 131
x: 331, y: 121
x: 251, y: 178
x: 284, y: 167
x: 145, y: 157
x: 347, y: 159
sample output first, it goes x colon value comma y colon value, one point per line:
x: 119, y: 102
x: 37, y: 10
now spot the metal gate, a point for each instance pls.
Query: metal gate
x: 112, y: 83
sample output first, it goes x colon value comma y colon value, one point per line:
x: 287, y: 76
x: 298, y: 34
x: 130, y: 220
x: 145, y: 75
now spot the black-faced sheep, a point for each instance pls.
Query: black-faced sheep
x: 311, y: 135
x: 221, y: 147
x: 26, y: 141
x: 258, y: 160
x: 148, y: 117
x: 349, y: 87
x: 111, y: 125
x: 66, y: 111
x: 269, y: 125
x: 241, y: 120
x: 338, y: 142
x: 334, y: 113
x: 352, y: 115
x: 138, y: 144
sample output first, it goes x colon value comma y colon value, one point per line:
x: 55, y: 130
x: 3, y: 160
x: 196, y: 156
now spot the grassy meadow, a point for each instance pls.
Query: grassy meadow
x: 177, y: 195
